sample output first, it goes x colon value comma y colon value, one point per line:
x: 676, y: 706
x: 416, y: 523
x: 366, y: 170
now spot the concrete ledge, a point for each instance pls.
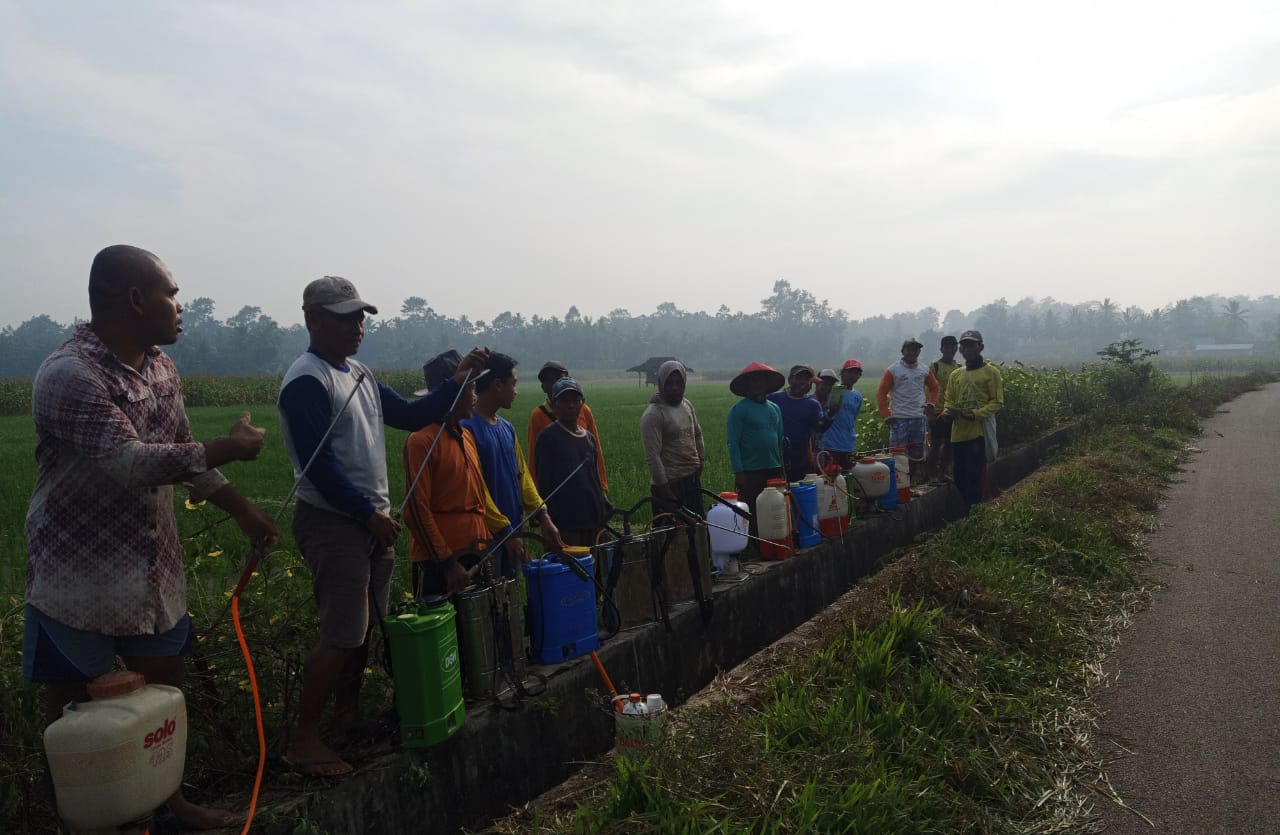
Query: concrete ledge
x: 501, y: 759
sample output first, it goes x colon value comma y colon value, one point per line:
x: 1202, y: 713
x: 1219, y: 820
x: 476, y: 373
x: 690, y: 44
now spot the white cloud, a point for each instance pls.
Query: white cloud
x: 554, y: 153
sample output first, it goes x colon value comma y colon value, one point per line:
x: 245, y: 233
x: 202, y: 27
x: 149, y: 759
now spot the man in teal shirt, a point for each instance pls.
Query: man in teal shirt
x: 755, y: 433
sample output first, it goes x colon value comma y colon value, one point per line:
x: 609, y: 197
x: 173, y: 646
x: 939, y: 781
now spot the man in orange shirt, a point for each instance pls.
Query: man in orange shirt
x: 451, y: 507
x: 543, y: 416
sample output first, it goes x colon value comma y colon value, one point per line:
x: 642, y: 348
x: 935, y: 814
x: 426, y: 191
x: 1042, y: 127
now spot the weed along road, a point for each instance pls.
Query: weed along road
x: 1196, y: 679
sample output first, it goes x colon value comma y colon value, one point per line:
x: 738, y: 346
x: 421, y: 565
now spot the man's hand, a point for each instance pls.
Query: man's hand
x: 248, y: 439
x: 473, y: 362
x: 551, y: 533
x: 456, y: 578
x: 260, y: 528
x: 384, y: 529
x: 242, y: 443
x: 931, y: 411
x: 516, y: 546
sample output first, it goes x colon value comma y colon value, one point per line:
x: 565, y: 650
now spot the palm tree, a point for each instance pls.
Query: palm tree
x: 1237, y: 318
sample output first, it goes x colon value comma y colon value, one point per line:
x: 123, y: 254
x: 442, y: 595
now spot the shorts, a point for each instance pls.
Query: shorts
x: 54, y: 653
x: 348, y: 567
x: 909, y: 433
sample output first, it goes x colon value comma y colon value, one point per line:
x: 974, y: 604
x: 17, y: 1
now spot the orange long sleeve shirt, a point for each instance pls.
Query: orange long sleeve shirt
x: 451, y: 506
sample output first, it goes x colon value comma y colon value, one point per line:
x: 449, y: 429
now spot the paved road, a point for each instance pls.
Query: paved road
x: 1196, y: 697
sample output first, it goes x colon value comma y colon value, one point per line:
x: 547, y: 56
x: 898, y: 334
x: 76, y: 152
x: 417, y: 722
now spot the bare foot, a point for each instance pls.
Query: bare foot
x: 193, y: 816
x: 308, y: 755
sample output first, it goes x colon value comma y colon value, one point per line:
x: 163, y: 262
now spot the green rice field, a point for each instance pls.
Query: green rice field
x: 617, y: 408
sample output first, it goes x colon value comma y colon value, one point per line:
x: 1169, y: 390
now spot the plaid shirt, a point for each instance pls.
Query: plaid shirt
x: 102, y: 541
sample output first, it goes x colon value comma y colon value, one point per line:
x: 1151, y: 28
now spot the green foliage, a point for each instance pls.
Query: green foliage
x: 957, y: 706
x: 896, y: 664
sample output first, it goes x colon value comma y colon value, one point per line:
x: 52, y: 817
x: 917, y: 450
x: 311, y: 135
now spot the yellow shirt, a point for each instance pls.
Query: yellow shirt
x: 980, y: 390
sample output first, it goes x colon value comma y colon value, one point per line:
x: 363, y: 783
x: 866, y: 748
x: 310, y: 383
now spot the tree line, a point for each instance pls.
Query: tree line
x: 791, y: 326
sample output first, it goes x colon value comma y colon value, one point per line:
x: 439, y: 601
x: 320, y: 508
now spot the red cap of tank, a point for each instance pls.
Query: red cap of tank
x: 115, y: 684
x: 729, y: 496
x: 776, y: 482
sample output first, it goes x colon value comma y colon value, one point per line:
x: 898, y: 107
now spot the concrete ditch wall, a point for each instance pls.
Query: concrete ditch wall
x: 502, y: 759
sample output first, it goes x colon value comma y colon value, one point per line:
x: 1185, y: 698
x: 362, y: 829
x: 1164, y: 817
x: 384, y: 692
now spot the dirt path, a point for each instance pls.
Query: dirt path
x: 1196, y: 692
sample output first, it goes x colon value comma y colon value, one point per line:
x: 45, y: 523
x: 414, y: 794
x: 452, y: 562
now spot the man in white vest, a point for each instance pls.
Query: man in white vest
x: 906, y: 398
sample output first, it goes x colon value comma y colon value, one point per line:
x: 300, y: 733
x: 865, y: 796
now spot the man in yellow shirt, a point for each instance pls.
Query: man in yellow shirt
x: 975, y: 391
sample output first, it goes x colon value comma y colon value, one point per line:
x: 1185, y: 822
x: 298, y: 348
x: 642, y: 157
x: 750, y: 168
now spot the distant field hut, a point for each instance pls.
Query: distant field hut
x: 647, y: 371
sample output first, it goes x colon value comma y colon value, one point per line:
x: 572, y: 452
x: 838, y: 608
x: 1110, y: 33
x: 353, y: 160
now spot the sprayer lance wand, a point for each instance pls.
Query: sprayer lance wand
x: 502, y: 539
x: 255, y: 551
x: 422, y: 468
x: 687, y: 516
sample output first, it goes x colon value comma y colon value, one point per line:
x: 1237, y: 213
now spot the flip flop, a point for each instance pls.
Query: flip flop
x: 323, y: 767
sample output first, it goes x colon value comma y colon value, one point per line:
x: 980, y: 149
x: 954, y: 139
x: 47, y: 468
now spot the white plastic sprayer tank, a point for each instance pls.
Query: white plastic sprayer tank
x: 833, y: 507
x: 728, y: 530
x: 118, y: 757
x: 773, y: 518
x: 871, y: 477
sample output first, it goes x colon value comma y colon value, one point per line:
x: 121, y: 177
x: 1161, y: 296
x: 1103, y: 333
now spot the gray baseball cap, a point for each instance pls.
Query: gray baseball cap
x: 565, y: 384
x: 336, y: 295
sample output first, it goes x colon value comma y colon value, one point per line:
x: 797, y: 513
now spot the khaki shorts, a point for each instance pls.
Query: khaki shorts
x: 347, y: 568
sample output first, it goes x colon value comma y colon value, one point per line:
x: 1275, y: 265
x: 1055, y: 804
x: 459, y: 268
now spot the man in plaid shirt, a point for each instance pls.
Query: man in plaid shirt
x: 104, y: 569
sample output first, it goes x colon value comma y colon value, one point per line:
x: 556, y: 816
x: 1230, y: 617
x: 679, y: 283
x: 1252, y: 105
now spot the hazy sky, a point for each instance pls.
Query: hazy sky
x: 534, y: 155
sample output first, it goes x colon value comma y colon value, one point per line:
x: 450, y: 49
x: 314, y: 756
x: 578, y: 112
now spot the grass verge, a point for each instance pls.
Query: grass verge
x: 950, y: 692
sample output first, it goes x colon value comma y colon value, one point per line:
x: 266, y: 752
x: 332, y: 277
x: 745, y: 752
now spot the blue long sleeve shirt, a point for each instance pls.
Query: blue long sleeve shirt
x: 349, y: 475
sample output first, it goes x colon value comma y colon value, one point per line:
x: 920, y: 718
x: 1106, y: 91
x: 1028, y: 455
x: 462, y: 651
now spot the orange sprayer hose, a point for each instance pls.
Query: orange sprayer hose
x: 257, y: 714
x: 252, y: 563
x: 617, y: 703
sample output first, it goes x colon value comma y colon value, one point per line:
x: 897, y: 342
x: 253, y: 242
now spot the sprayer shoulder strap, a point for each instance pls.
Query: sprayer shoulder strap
x: 658, y: 579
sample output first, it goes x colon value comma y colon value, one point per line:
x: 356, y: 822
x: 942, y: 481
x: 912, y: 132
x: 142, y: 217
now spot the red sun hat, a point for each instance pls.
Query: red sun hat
x: 851, y: 364
x: 776, y: 380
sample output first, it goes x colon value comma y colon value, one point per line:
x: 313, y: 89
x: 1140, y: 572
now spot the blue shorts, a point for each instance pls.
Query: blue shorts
x: 54, y: 653
x: 909, y: 433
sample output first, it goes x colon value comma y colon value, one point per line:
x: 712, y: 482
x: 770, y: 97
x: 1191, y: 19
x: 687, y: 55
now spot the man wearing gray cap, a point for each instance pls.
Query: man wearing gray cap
x: 342, y: 520
x: 975, y: 392
x: 543, y: 416
x: 906, y: 398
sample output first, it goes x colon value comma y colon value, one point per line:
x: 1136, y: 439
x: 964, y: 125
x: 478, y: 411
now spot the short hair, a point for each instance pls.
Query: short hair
x: 949, y: 340
x: 499, y: 366
x: 116, y: 269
